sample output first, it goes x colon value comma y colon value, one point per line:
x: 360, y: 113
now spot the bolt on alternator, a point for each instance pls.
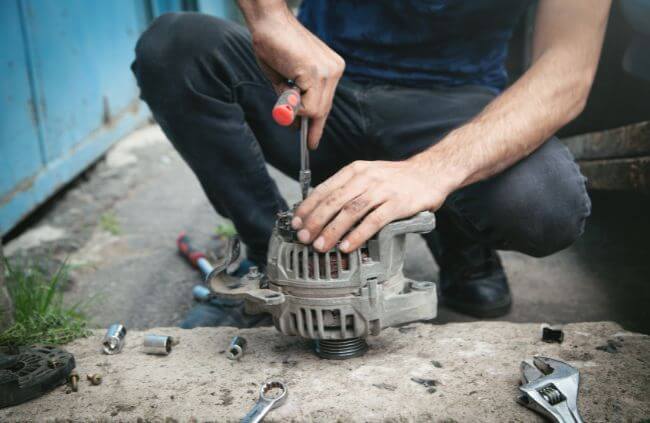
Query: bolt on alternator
x: 253, y: 273
x: 237, y: 348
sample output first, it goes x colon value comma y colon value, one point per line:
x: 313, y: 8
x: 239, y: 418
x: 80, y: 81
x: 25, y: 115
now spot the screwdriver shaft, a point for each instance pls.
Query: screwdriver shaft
x: 305, y: 172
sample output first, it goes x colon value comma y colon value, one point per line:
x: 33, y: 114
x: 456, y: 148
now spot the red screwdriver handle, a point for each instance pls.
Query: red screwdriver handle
x: 284, y: 111
x: 187, y: 250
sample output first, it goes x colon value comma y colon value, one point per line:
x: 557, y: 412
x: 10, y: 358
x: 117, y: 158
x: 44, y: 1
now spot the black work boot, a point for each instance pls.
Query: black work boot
x: 472, y: 280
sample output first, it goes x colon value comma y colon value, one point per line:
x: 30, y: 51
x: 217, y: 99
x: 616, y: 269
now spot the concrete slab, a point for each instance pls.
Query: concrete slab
x: 475, y: 367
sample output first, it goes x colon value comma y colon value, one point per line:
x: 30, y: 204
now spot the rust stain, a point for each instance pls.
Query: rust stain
x: 25, y: 185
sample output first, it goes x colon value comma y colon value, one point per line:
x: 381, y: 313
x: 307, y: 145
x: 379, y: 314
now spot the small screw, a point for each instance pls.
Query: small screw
x: 253, y: 273
x: 74, y: 380
x: 94, y: 379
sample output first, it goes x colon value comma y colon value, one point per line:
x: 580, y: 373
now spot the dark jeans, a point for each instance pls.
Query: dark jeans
x: 199, y: 76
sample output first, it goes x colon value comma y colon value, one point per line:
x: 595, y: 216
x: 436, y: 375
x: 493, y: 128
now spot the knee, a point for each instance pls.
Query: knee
x: 546, y: 211
x: 166, y: 52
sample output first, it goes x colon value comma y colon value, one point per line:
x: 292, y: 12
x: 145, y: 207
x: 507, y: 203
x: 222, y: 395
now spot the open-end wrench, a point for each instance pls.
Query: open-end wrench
x: 267, y: 401
x: 284, y: 113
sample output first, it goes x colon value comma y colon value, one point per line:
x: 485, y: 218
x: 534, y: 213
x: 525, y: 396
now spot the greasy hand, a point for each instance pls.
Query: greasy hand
x: 286, y: 50
x: 374, y: 193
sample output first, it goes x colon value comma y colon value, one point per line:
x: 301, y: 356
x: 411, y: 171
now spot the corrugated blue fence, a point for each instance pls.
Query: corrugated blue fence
x: 66, y: 90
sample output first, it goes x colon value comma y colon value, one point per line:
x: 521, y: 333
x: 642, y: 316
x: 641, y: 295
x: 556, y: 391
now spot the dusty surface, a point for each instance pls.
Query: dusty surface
x: 136, y: 275
x: 474, y: 365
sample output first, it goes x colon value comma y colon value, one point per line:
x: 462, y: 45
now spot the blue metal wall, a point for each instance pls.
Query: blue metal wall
x: 66, y: 90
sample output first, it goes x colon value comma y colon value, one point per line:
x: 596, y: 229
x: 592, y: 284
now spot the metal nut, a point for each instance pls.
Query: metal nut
x: 94, y: 379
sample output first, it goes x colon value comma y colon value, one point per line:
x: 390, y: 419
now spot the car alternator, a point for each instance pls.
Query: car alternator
x: 334, y: 298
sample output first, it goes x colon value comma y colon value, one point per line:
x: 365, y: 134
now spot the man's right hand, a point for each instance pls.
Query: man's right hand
x: 287, y: 50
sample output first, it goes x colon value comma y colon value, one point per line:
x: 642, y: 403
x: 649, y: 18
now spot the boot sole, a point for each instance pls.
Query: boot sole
x: 497, y: 309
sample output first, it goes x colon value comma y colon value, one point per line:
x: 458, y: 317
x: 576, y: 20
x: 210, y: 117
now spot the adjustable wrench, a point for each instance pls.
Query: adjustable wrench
x: 550, y: 387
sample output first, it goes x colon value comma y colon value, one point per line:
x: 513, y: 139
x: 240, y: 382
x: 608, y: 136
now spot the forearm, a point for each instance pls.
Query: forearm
x: 511, y: 127
x: 256, y: 12
x: 548, y: 96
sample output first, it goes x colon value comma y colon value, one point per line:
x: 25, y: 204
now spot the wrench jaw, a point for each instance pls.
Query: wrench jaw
x: 278, y: 399
x: 550, y: 387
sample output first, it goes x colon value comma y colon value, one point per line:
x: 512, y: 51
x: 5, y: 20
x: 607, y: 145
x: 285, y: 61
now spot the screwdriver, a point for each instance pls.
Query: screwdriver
x: 284, y: 113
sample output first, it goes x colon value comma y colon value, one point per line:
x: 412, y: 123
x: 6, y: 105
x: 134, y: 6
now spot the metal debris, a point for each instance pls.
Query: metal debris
x: 611, y: 347
x: 552, y: 334
x: 73, y: 380
x: 94, y: 379
x: 236, y: 348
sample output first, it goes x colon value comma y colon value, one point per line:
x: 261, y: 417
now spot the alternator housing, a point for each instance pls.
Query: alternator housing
x: 337, y: 298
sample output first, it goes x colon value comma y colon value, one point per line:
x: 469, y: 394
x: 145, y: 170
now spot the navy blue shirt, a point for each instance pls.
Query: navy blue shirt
x: 421, y: 43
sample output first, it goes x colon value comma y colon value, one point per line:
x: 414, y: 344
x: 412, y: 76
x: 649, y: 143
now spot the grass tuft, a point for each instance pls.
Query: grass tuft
x: 226, y: 230
x: 108, y: 222
x: 39, y: 312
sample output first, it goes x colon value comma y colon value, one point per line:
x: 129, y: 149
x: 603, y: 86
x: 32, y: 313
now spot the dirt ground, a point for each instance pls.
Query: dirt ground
x: 473, y: 369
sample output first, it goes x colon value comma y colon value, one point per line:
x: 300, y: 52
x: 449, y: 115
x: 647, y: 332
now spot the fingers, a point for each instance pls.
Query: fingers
x: 323, y: 190
x: 318, y: 85
x: 328, y: 208
x: 353, y: 211
x: 316, y: 128
x: 376, y: 220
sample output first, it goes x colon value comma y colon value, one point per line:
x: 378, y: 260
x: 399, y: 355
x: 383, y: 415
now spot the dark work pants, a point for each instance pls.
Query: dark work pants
x: 199, y: 76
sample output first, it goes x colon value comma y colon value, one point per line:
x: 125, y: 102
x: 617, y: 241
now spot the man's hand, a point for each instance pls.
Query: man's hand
x: 287, y: 50
x: 374, y: 193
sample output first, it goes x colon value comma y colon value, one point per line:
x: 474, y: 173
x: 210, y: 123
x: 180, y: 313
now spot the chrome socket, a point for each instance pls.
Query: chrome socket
x: 158, y: 344
x: 236, y: 348
x: 114, y: 339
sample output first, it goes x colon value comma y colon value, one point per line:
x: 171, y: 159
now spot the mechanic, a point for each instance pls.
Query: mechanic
x: 410, y: 109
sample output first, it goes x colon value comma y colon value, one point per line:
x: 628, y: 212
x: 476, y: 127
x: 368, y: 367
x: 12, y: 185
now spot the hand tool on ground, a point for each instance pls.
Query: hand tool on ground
x: 272, y: 395
x: 199, y: 260
x: 550, y: 387
x: 284, y: 113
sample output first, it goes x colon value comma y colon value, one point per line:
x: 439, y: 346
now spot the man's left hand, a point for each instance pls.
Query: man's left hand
x: 373, y: 193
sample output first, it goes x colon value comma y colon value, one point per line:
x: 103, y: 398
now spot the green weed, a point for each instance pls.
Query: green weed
x: 226, y: 230
x: 39, y: 312
x: 108, y: 222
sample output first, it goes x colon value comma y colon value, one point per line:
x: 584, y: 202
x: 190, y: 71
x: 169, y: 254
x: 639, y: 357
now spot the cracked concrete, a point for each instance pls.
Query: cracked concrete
x: 443, y: 373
